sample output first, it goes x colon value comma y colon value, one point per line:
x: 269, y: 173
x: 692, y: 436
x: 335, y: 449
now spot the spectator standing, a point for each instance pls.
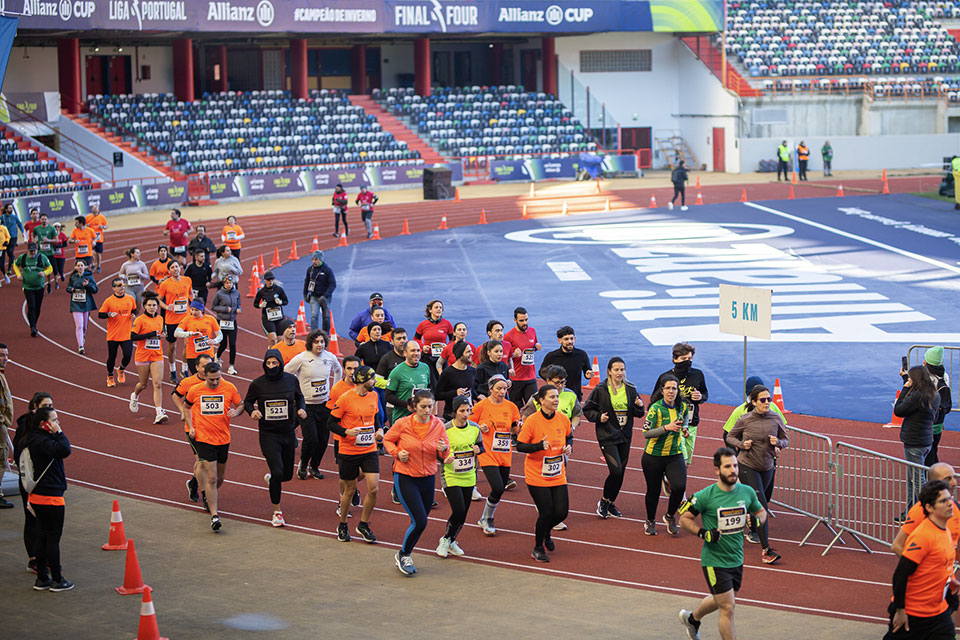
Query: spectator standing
x: 6, y: 419
x: 318, y: 286
x: 917, y: 405
x: 826, y: 152
x: 783, y: 161
x: 803, y: 157
x: 933, y: 362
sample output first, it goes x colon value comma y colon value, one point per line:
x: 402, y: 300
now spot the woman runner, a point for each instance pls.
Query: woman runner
x: 498, y: 420
x: 81, y: 288
x: 466, y: 443
x: 663, y: 454
x: 135, y: 274
x: 147, y: 333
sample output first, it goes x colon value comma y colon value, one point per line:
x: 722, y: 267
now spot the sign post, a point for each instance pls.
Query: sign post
x: 745, y: 311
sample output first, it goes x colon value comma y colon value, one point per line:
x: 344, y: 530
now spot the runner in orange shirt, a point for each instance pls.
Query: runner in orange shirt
x: 97, y: 222
x: 201, y: 332
x: 498, y: 419
x: 288, y: 345
x: 546, y: 437
x: 159, y: 270
x: 147, y: 332
x: 343, y: 385
x: 118, y: 311
x: 84, y: 237
x: 211, y: 405
x: 175, y: 294
x: 231, y: 236
x: 197, y: 479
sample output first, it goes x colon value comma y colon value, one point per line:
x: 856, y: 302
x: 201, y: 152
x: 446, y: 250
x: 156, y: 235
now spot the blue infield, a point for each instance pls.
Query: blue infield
x: 855, y: 282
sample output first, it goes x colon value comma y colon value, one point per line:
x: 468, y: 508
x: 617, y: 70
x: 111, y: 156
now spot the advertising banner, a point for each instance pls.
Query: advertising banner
x: 507, y: 170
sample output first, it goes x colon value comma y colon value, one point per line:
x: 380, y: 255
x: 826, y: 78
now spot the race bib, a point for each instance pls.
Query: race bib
x: 311, y: 286
x: 337, y: 210
x: 99, y: 236
x: 227, y: 325
x: 463, y: 461
x: 152, y: 344
x: 366, y: 207
x: 366, y: 436
x: 731, y: 519
x: 83, y: 248
x: 527, y: 357
x: 275, y: 410
x: 319, y: 388
x: 201, y: 344
x: 436, y: 349
x: 274, y: 314
x: 231, y: 235
x: 621, y: 418
x: 552, y: 466
x: 133, y: 281
x: 79, y: 296
x: 211, y: 405
x: 179, y: 306
x: 501, y: 442
x: 45, y: 247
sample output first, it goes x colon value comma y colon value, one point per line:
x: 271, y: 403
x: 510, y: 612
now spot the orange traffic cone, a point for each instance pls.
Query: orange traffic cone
x: 483, y: 217
x: 533, y: 190
x: 778, y: 396
x: 343, y: 239
x: 132, y: 579
x: 565, y: 211
x: 406, y: 228
x: 743, y: 195
x: 840, y: 191
x: 606, y: 205
x: 456, y: 194
x: 117, y: 539
x: 443, y: 222
x: 792, y: 195
x: 334, y: 346
x: 523, y: 215
x: 254, y: 282
x: 376, y: 232
x: 148, y: 629
x: 595, y: 377
x: 316, y: 244
x: 302, y: 328
x: 699, y: 198
x: 276, y: 258
x: 895, y: 420
x: 653, y: 201
x: 263, y: 269
x: 884, y: 176
x: 793, y: 179
x: 293, y: 252
x: 886, y: 187
x: 698, y: 183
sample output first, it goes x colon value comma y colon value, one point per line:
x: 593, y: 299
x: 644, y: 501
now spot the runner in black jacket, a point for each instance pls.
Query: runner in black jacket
x: 271, y: 300
x: 693, y: 391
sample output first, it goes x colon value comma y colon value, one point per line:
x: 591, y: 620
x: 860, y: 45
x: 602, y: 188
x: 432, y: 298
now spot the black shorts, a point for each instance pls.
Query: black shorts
x: 178, y: 251
x: 720, y: 579
x: 87, y: 260
x: 350, y: 465
x: 269, y: 326
x: 212, y: 452
x: 193, y: 443
x: 98, y: 247
x: 170, y: 328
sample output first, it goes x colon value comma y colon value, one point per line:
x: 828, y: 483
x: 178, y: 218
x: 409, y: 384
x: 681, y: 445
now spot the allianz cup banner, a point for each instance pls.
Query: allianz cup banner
x: 370, y: 16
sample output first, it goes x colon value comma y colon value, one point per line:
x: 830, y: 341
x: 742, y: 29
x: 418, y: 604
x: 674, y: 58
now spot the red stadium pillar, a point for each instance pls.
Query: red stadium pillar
x: 358, y: 69
x: 298, y: 68
x: 221, y: 84
x: 183, y: 69
x: 421, y: 67
x: 68, y: 67
x: 548, y: 59
x: 496, y: 63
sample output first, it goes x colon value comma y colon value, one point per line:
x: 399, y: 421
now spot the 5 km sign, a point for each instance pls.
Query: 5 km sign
x: 745, y: 311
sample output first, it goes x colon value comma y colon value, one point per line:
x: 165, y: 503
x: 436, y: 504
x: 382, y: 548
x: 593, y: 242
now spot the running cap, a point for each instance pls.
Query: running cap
x: 197, y: 304
x: 32, y: 246
x: 498, y: 378
x: 459, y: 401
x: 376, y: 296
x: 269, y: 276
x: 362, y: 374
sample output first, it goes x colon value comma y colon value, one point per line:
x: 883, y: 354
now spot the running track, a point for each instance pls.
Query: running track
x: 126, y: 454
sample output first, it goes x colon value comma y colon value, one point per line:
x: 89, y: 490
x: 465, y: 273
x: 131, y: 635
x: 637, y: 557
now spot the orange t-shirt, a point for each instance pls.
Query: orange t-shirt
x: 933, y: 550
x: 197, y: 345
x: 182, y: 388
x: 357, y: 412
x: 289, y: 351
x: 231, y: 235
x: 338, y: 390
x: 118, y: 328
x: 97, y: 222
x: 916, y: 515
x: 545, y: 468
x: 497, y: 442
x: 85, y: 238
x: 209, y: 409
x: 151, y: 349
x: 159, y: 270
x: 177, y: 295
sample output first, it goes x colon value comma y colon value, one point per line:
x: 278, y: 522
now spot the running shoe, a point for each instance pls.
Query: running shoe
x: 548, y: 543
x: 486, y: 524
x: 42, y: 583
x: 203, y: 498
x: 683, y: 208
x: 393, y: 494
x: 349, y: 515
x: 302, y: 471
x: 111, y: 381
x: 692, y: 628
x: 98, y: 268
x: 80, y: 350
x: 770, y: 555
x: 316, y: 473
x: 455, y: 549
x: 405, y: 564
x: 193, y: 490
x: 443, y: 548
x: 343, y: 533
x: 434, y: 504
x: 4, y: 504
x: 671, y: 522
x: 267, y: 477
x: 277, y: 519
x: 337, y: 235
x: 32, y: 566
x: 476, y: 497
x: 134, y: 403
x: 215, y: 523
x: 184, y: 371
x: 602, y: 509
x: 232, y: 371
x: 173, y: 377
x: 511, y: 484
x: 670, y: 206
x: 753, y: 537
x: 355, y: 501
x: 33, y: 332
x: 56, y: 285
x: 540, y: 555
x: 363, y: 528
x: 161, y: 417
x: 6, y: 279
x: 121, y: 376
x: 649, y: 528
x: 49, y: 288
x: 561, y: 526
x: 613, y: 511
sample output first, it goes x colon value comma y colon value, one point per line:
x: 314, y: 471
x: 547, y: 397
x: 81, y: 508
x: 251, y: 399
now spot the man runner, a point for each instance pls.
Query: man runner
x: 202, y: 334
x: 575, y: 361
x: 197, y: 479
x: 118, y: 311
x: 178, y: 229
x: 97, y: 222
x: 288, y: 345
x: 523, y: 338
x: 174, y: 294
x: 45, y: 235
x: 84, y: 237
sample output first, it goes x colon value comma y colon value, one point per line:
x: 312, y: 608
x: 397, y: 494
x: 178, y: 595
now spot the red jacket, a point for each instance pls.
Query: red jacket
x: 423, y: 452
x: 366, y: 198
x: 341, y: 200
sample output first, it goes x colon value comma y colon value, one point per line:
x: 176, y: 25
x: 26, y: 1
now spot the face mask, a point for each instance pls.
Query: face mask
x: 683, y: 367
x: 273, y: 372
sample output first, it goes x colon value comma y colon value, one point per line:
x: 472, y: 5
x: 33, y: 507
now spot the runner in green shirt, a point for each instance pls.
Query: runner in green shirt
x: 466, y: 443
x: 725, y: 509
x: 406, y: 378
x: 32, y: 270
x: 46, y: 236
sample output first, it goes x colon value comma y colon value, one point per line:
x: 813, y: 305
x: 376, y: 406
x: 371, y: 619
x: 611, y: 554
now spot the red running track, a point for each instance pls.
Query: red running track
x: 127, y: 454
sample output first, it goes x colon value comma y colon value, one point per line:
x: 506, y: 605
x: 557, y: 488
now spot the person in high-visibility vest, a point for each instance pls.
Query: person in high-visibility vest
x: 783, y: 160
x: 955, y: 166
x: 803, y: 156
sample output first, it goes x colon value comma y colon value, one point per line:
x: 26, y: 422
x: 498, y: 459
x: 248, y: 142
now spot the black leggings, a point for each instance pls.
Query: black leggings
x: 521, y: 391
x: 932, y: 457
x: 553, y: 503
x: 616, y: 456
x: 416, y: 497
x: 278, y: 449
x: 679, y: 189
x: 126, y: 346
x: 762, y: 483
x: 654, y: 470
x: 58, y: 264
x: 337, y: 217
x: 30, y: 527
x: 459, y: 499
x: 50, y: 528
x: 497, y: 478
x: 230, y: 336
x: 10, y: 253
x: 34, y: 304
x: 316, y: 435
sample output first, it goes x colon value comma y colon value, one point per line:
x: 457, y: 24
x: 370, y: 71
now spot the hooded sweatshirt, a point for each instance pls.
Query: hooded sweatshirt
x: 276, y: 395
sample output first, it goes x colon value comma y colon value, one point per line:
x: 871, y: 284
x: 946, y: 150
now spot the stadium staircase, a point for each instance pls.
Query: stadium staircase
x: 163, y: 165
x: 76, y: 175
x: 395, y: 126
x: 708, y: 53
x: 674, y: 148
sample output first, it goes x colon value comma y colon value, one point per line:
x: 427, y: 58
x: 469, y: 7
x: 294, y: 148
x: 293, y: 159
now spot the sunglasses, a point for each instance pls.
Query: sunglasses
x: 763, y: 400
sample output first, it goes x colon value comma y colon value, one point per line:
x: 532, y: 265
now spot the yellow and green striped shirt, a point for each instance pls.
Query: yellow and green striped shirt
x: 659, y: 415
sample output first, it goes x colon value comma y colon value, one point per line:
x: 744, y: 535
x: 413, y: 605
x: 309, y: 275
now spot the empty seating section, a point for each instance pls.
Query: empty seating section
x: 256, y: 131
x: 23, y: 172
x: 499, y: 120
x: 879, y: 87
x: 809, y: 38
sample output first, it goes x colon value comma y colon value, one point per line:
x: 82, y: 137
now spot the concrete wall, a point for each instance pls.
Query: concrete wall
x: 859, y: 152
x: 395, y: 59
x: 132, y: 166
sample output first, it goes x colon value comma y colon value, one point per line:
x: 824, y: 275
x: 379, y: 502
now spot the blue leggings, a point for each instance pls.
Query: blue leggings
x: 416, y: 497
